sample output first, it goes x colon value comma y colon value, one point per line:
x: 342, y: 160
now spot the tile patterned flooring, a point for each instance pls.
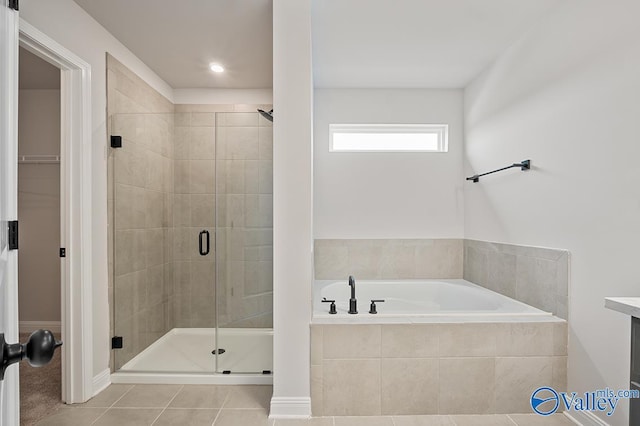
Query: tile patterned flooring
x: 195, y: 405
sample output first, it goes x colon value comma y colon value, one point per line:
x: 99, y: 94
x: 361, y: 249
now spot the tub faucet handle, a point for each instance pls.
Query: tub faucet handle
x: 332, y: 307
x: 372, y: 308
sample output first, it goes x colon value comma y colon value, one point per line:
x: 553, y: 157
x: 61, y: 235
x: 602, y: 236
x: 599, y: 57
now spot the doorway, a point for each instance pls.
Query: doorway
x: 39, y: 283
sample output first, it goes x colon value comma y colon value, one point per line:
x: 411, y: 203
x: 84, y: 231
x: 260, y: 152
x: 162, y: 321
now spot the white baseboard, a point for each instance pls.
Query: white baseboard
x: 290, y: 408
x: 101, y: 381
x: 31, y: 326
x: 585, y: 418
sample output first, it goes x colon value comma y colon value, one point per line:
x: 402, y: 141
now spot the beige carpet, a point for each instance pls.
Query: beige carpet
x: 40, y: 388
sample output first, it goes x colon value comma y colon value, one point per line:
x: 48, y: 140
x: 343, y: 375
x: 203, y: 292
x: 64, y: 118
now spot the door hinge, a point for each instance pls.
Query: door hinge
x: 13, y: 4
x: 13, y: 235
x: 63, y: 252
x: 116, y: 342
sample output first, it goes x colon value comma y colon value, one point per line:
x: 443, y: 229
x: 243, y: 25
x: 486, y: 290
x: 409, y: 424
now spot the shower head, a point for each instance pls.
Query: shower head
x: 267, y: 115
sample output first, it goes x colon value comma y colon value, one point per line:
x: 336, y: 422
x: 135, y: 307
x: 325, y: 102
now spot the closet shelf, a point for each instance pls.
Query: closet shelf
x: 38, y: 159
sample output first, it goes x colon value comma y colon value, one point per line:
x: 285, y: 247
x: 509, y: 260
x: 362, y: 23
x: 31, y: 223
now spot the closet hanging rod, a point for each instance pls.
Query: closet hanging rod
x: 38, y: 159
x: 524, y: 165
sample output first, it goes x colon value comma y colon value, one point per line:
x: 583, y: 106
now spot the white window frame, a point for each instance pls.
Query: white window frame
x: 440, y: 130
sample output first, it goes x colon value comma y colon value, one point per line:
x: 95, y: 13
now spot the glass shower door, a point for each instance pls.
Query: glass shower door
x: 244, y: 243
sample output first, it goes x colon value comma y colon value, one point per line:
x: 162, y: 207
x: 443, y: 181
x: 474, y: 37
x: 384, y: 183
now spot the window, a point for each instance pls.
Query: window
x: 388, y: 137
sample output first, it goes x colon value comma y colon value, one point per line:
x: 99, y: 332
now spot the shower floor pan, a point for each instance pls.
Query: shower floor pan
x: 184, y: 356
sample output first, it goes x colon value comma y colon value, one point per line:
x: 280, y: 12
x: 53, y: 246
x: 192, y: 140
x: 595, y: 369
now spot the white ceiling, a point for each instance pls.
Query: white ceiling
x: 356, y: 43
x: 414, y: 43
x: 36, y: 73
x: 178, y: 39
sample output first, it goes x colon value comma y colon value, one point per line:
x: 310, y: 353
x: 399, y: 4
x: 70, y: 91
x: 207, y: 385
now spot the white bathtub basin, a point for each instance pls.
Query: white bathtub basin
x: 419, y: 301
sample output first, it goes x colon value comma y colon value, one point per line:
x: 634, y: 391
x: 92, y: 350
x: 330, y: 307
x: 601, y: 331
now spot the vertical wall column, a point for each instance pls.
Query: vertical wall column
x: 292, y: 207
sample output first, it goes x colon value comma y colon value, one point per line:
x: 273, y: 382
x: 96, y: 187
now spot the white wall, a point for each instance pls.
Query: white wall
x: 566, y: 95
x: 292, y: 207
x: 388, y: 195
x: 39, y: 207
x: 68, y: 24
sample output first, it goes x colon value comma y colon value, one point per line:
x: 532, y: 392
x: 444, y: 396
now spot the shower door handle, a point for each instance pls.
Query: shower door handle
x: 203, y: 251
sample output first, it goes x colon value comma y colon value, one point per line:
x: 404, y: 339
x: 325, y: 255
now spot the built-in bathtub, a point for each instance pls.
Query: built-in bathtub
x: 443, y: 346
x: 419, y: 301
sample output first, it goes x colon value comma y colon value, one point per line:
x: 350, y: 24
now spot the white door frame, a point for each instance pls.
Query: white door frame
x: 75, y: 211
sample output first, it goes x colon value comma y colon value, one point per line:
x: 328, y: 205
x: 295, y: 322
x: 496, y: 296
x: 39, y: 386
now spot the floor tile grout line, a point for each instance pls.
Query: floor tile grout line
x: 512, y: 421
x: 114, y: 403
x: 221, y: 407
x: 168, y: 403
x: 453, y: 421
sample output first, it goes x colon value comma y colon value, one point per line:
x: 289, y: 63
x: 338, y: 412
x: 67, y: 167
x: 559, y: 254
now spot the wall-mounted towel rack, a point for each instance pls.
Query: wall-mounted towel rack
x: 524, y: 165
x: 38, y: 159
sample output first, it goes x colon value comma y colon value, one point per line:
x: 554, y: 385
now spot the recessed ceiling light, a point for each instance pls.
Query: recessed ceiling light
x: 216, y: 68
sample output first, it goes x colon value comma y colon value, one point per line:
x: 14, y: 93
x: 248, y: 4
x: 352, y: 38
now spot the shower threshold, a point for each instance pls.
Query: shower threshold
x: 184, y: 356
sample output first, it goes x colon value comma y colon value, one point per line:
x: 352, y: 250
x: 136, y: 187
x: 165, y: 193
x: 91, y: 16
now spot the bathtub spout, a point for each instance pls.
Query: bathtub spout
x: 353, y: 303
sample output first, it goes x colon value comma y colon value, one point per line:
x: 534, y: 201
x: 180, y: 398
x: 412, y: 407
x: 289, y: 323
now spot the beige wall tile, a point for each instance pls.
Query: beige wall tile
x: 351, y: 387
x: 517, y: 378
x: 398, y: 262
x: 202, y: 177
x: 536, y: 280
x: 203, y: 119
x: 409, y: 386
x: 410, y: 341
x: 331, y: 262
x: 242, y: 143
x: 316, y: 344
x: 559, y: 372
x: 468, y: 339
x: 351, y: 341
x: 265, y: 142
x: 317, y: 402
x: 467, y: 386
x: 560, y: 338
x: 525, y: 339
x: 203, y: 211
x: 241, y: 119
x: 202, y: 145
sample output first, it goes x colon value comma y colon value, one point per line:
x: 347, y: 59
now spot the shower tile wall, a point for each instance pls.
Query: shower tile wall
x: 245, y: 220
x: 140, y: 204
x: 194, y: 211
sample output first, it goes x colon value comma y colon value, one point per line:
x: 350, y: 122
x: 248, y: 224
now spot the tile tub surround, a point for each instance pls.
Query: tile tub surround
x: 388, y: 259
x: 434, y: 368
x: 533, y: 275
x: 536, y: 276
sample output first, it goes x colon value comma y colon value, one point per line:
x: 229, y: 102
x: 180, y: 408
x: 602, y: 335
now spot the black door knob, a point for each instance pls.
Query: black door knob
x: 38, y: 350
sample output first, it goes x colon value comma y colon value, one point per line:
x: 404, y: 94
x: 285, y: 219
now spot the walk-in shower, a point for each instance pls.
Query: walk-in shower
x: 191, y: 253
